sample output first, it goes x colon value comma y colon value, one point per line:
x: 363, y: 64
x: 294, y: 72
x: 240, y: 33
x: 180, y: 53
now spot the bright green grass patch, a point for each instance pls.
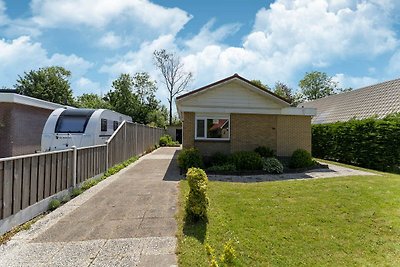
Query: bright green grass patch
x: 346, y: 221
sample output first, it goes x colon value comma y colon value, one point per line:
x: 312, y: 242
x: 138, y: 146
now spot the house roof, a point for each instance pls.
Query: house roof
x: 375, y: 100
x: 28, y: 101
x: 237, y: 76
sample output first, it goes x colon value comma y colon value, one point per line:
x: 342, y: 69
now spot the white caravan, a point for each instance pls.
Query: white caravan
x: 79, y: 127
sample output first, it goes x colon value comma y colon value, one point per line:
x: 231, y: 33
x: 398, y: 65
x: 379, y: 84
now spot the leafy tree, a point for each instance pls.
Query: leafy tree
x: 260, y: 84
x: 92, y: 101
x: 144, y: 87
x: 50, y: 84
x: 122, y: 98
x: 286, y: 92
x: 317, y: 84
x: 158, y: 117
x: 176, y: 79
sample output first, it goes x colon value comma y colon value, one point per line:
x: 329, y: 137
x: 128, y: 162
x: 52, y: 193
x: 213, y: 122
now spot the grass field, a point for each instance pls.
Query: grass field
x: 347, y: 221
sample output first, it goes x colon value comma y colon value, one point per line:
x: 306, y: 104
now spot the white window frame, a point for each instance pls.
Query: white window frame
x: 205, y: 118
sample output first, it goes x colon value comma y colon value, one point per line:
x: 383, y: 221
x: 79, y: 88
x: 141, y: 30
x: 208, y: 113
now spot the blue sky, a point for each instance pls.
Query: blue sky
x: 356, y: 42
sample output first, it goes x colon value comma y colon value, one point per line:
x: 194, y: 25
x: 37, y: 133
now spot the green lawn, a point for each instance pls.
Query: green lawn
x: 348, y: 221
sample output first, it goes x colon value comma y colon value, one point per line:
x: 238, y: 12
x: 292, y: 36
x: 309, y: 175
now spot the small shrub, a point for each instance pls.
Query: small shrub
x: 264, y: 151
x: 189, y: 158
x: 301, y: 159
x: 214, y: 262
x: 197, y: 200
x: 229, y: 254
x: 227, y: 167
x: 246, y: 160
x: 219, y: 159
x: 88, y: 184
x: 54, y: 203
x: 165, y: 140
x: 76, y: 192
x: 272, y: 165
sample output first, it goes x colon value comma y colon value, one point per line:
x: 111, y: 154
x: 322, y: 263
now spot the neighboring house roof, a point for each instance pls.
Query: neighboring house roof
x: 376, y: 100
x: 221, y: 123
x: 236, y: 94
x: 29, y: 101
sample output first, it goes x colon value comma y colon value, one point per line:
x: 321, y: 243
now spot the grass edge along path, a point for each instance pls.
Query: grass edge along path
x: 74, y: 192
x: 343, y: 221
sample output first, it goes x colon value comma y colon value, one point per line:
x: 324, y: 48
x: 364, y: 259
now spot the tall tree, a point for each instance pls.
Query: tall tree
x: 317, y: 84
x: 175, y: 78
x: 144, y: 87
x: 283, y: 90
x: 122, y: 98
x: 92, y: 101
x: 50, y: 84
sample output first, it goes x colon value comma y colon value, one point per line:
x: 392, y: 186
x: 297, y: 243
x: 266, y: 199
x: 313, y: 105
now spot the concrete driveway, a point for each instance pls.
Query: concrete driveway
x: 126, y: 220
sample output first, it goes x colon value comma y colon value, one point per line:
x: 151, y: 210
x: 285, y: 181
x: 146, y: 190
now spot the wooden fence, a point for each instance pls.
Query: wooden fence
x: 29, y: 179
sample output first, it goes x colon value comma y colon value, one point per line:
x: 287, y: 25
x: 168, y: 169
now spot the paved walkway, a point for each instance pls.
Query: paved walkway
x: 126, y: 220
x: 332, y: 171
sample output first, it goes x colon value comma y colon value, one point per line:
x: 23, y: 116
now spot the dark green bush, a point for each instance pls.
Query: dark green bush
x: 219, y: 159
x: 246, y: 160
x: 227, y: 167
x: 370, y: 143
x: 264, y: 151
x: 272, y: 165
x: 197, y: 200
x: 301, y: 159
x: 190, y: 157
x: 165, y: 140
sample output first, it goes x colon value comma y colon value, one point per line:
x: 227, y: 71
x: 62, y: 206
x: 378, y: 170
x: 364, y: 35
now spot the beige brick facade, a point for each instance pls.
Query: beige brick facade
x: 294, y: 132
x: 188, y: 130
x: 283, y: 134
x: 249, y: 131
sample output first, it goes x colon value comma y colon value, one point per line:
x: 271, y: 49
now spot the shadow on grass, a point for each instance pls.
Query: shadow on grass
x: 197, y: 229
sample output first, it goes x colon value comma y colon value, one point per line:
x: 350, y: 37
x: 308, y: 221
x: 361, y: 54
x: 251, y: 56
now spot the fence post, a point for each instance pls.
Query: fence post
x: 106, y: 155
x: 136, y: 144
x: 74, y: 165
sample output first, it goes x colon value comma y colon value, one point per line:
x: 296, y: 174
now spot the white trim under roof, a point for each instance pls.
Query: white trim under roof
x: 29, y: 101
x: 270, y: 111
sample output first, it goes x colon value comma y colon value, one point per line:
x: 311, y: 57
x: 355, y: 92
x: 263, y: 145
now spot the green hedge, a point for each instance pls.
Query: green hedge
x: 370, y: 143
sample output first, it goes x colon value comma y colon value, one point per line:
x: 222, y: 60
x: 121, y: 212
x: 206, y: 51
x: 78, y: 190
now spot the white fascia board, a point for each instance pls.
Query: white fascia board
x: 29, y: 101
x: 269, y: 111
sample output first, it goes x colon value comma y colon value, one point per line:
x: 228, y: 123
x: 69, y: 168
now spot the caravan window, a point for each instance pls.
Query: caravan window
x: 115, y: 125
x: 104, y: 125
x: 71, y: 124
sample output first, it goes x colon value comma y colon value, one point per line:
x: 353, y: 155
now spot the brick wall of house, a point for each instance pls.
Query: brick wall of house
x: 283, y: 134
x: 188, y: 129
x: 21, y: 128
x: 249, y: 131
x: 294, y: 132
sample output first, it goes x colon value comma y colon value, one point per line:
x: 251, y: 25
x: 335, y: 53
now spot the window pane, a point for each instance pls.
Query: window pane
x: 217, y: 128
x: 200, y: 128
x: 104, y: 125
x: 71, y: 124
x: 115, y: 125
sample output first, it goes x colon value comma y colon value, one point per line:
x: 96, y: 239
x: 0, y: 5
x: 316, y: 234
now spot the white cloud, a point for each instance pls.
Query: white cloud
x: 346, y: 81
x: 3, y: 16
x: 84, y: 85
x: 100, y: 13
x: 112, y: 41
x: 21, y: 54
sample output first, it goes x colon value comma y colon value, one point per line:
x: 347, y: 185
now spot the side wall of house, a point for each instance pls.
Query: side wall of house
x: 188, y: 129
x: 23, y: 128
x: 294, y: 132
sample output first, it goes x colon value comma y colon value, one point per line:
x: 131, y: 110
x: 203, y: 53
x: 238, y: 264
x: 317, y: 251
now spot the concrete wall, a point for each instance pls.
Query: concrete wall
x: 283, y: 134
x: 171, y: 130
x: 21, y: 128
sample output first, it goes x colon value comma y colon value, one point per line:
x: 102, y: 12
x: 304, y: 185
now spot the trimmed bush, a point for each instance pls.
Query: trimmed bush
x: 301, y: 159
x: 227, y: 167
x: 219, y: 158
x: 370, y: 143
x: 264, y: 151
x: 272, y: 165
x: 246, y: 160
x: 197, y: 200
x: 190, y: 158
